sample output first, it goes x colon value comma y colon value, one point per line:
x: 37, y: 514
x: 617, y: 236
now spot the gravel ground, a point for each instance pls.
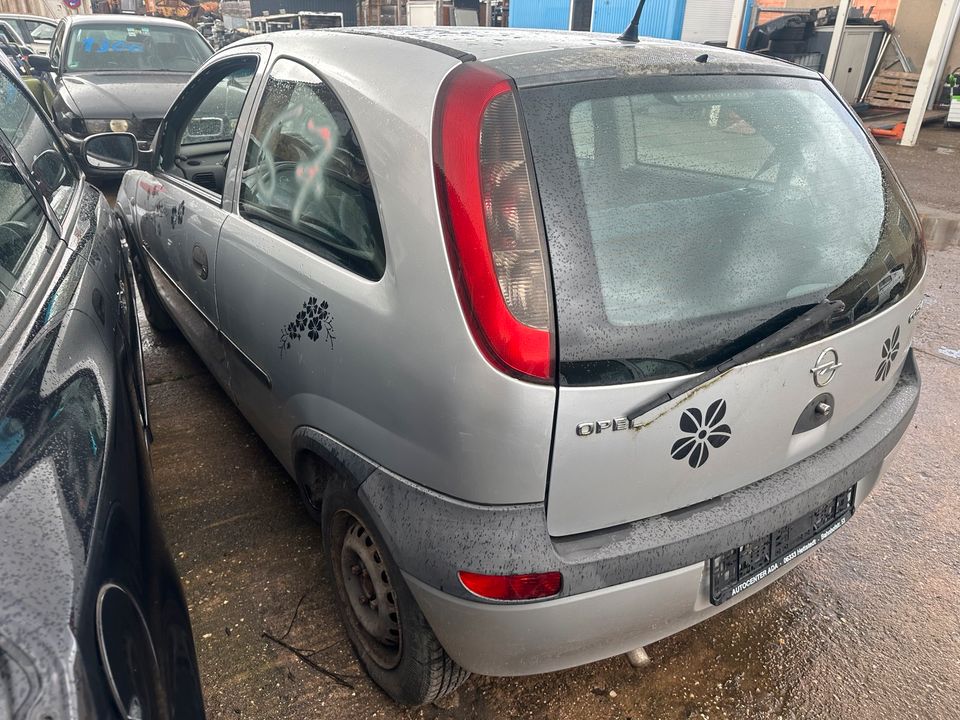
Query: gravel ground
x: 867, y: 627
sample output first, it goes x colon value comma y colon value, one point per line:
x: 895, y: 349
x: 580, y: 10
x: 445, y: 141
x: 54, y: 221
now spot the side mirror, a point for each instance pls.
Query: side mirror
x: 111, y: 151
x: 39, y: 62
x: 48, y: 170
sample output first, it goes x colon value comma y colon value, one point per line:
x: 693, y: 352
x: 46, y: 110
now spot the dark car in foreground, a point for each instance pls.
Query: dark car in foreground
x: 93, y: 622
x: 118, y: 73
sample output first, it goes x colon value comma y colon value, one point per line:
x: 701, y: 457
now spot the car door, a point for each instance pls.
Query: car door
x: 300, y: 259
x: 38, y: 34
x: 182, y: 204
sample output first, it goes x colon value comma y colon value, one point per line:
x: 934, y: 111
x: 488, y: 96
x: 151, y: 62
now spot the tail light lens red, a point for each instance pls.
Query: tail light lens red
x: 534, y: 586
x: 494, y: 237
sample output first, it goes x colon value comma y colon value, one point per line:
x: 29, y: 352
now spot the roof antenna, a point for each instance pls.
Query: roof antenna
x: 632, y: 33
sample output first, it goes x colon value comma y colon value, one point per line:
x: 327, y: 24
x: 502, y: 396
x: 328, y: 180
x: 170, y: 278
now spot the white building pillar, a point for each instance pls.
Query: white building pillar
x: 943, y: 33
x: 833, y: 54
x: 736, y: 24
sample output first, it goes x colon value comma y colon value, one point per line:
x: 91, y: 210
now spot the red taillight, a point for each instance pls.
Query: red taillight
x: 494, y: 239
x: 533, y: 586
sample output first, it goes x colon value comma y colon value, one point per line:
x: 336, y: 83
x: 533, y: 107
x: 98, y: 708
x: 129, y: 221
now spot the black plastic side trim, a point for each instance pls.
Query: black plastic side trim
x: 258, y: 371
x: 452, y: 52
x: 353, y: 467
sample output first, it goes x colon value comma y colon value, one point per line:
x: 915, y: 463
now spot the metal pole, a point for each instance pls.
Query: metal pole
x: 736, y: 24
x: 833, y: 54
x: 943, y: 33
x: 876, y: 66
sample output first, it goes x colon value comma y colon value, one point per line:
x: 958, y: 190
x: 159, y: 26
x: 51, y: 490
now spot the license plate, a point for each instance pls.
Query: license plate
x: 738, y: 569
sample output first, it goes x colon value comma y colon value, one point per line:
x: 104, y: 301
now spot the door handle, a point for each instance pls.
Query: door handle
x: 200, y: 262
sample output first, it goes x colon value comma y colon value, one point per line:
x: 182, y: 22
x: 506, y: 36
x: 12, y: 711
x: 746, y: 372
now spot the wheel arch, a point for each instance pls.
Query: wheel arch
x: 319, y: 459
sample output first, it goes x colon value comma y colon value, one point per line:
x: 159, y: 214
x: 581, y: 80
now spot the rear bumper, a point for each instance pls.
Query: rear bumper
x: 530, y: 638
x: 623, y: 588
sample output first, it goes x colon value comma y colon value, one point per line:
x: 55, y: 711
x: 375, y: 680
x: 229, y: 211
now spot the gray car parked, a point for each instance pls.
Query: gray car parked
x: 569, y: 343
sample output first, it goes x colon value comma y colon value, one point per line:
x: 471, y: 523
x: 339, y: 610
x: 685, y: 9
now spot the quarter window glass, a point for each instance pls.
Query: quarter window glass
x: 25, y: 129
x: 304, y: 175
x: 39, y: 31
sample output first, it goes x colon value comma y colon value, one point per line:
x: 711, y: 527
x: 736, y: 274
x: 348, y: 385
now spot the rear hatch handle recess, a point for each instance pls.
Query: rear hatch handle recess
x: 819, y: 313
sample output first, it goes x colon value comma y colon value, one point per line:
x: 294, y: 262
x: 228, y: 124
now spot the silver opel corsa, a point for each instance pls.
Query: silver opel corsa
x: 568, y: 342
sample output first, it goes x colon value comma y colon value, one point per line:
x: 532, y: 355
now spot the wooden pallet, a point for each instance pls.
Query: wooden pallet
x: 893, y: 89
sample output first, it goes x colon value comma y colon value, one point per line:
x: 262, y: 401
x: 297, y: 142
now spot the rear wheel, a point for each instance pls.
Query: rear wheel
x: 390, y: 635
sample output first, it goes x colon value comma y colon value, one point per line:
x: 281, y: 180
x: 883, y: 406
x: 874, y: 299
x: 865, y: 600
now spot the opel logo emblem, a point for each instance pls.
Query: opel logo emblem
x: 827, y: 365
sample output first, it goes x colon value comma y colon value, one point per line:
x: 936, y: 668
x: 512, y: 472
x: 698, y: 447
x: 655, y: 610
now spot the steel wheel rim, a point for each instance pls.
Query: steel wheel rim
x: 370, y: 595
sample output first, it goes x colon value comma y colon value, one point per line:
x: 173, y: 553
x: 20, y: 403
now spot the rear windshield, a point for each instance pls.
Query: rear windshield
x: 689, y: 216
x: 129, y: 48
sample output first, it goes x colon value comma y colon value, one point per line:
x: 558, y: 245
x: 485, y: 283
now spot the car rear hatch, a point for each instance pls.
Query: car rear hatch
x: 687, y: 217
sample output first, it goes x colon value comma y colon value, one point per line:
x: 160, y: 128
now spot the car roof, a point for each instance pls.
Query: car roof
x: 550, y: 56
x: 110, y: 19
x: 485, y: 43
x: 24, y: 16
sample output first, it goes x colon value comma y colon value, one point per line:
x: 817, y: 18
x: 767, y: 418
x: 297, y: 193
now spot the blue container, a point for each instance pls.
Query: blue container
x: 661, y: 18
x: 548, y: 14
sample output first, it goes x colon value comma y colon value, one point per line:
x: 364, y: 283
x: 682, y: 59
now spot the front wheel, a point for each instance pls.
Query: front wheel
x: 388, y: 632
x: 157, y: 315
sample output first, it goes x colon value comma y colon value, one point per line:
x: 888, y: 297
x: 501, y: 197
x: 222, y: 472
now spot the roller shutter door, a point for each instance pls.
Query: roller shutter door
x: 706, y: 20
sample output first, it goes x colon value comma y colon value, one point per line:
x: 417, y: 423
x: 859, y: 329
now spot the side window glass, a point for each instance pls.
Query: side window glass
x: 55, y: 46
x: 38, y: 30
x: 25, y: 129
x: 304, y: 176
x: 21, y: 222
x: 216, y: 118
x: 7, y: 35
x: 204, y: 131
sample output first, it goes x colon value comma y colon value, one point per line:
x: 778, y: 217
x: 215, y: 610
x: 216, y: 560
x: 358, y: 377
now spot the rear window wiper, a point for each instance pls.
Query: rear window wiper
x: 819, y: 313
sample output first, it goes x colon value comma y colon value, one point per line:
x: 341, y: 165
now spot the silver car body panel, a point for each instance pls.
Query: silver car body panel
x: 531, y: 638
x: 633, y: 474
x: 450, y: 420
x: 403, y: 381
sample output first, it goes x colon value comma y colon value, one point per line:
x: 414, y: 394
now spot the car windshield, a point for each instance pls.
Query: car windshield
x: 686, y: 216
x: 134, y: 47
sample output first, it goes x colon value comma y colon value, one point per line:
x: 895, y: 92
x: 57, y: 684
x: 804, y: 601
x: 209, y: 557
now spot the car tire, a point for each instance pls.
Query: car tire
x: 414, y: 669
x: 157, y: 315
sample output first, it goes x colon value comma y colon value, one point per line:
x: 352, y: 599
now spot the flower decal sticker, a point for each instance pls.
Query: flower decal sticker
x: 314, y: 320
x: 703, y: 431
x: 888, y: 353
